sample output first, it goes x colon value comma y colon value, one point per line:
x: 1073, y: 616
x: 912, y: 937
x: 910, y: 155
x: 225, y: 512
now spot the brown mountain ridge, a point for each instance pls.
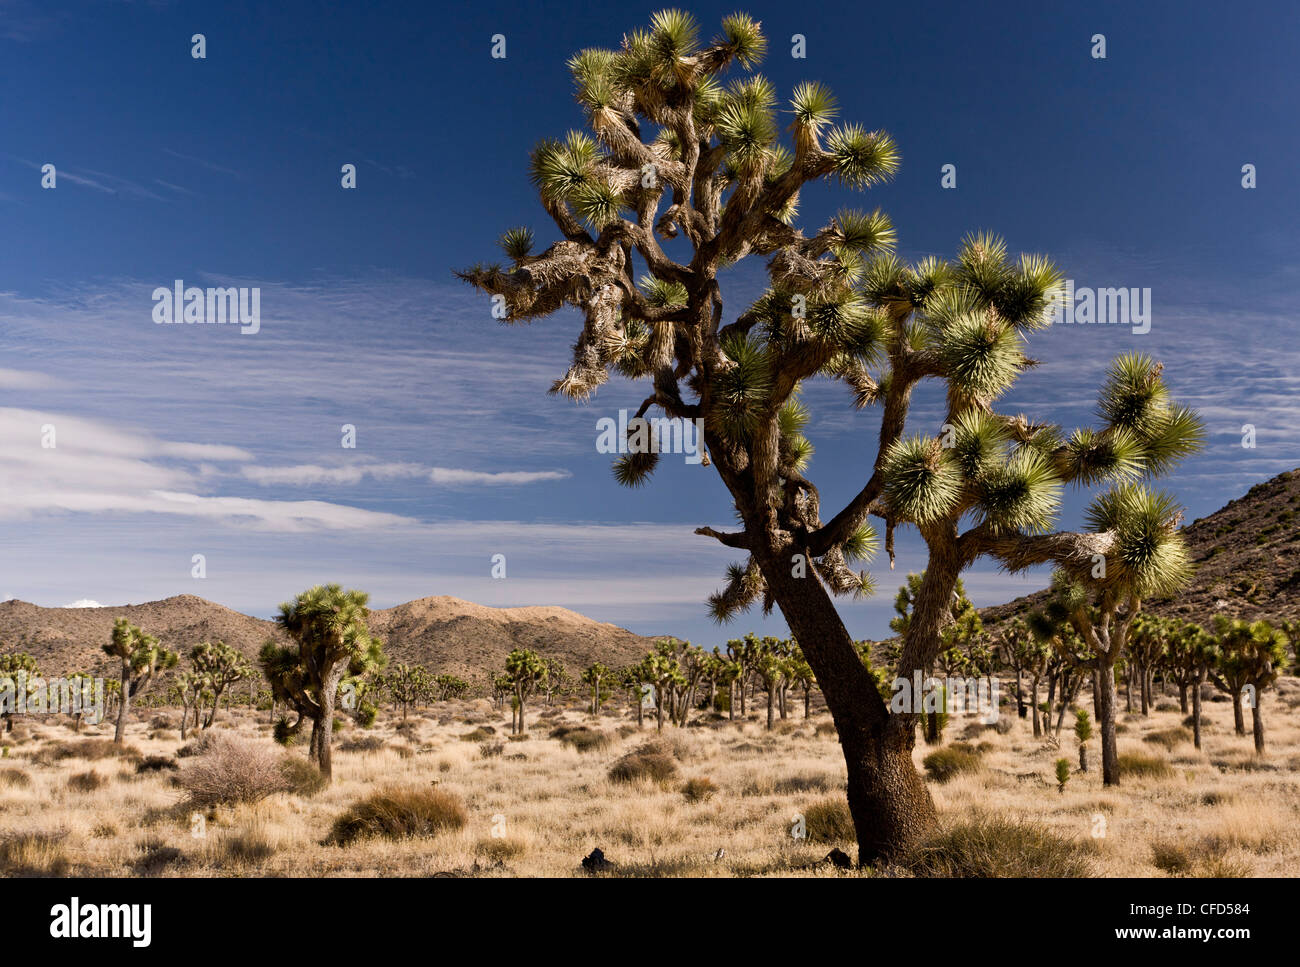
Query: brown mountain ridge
x: 446, y: 635
x: 1247, y: 560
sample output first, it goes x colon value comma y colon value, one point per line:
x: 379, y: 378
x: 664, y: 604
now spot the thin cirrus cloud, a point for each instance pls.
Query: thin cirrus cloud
x: 57, y: 463
x: 306, y: 475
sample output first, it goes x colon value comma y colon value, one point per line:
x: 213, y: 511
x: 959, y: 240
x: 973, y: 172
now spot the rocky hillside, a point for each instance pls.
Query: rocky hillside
x: 1247, y: 557
x: 443, y: 634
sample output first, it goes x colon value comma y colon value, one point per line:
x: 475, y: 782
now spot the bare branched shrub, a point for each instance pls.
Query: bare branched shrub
x: 231, y: 770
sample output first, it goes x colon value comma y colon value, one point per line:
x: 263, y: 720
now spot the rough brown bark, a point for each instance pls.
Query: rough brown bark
x: 1257, y: 721
x: 1106, y: 701
x: 888, y: 800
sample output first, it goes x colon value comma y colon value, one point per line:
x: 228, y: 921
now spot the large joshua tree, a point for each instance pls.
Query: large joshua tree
x: 681, y: 175
x: 330, y: 642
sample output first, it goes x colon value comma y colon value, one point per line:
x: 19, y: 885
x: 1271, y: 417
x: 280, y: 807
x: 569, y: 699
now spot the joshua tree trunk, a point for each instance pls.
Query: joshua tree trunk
x: 1083, y: 757
x: 1033, y: 695
x: 1196, y: 710
x: 888, y: 800
x: 731, y: 701
x: 322, y: 733
x: 1144, y: 690
x: 519, y: 699
x: 771, y: 696
x: 1238, y: 720
x: 123, y: 704
x: 659, y: 709
x: 1182, y: 698
x: 1257, y: 721
x: 1106, y: 720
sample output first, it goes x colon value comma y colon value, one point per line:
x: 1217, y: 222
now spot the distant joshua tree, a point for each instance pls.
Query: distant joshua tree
x: 675, y: 154
x: 223, y: 665
x: 1251, y: 656
x: 12, y: 665
x: 595, y: 674
x: 142, y: 657
x: 526, y: 672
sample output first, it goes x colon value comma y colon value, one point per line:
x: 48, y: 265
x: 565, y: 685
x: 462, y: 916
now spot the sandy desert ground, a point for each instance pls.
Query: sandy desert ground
x: 536, y: 806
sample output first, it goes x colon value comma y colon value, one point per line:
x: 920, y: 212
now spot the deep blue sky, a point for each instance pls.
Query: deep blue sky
x: 174, y: 441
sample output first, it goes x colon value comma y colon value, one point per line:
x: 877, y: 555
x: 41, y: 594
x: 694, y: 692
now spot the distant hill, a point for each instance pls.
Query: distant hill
x: 1247, y: 557
x: 444, y: 634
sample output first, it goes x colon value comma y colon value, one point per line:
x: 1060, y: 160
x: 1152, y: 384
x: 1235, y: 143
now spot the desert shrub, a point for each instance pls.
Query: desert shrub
x: 1143, y: 766
x: 829, y: 821
x: 247, y: 848
x: 944, y: 764
x: 157, y: 763
x: 580, y: 737
x: 161, y: 722
x: 232, y: 770
x: 33, y: 854
x: 650, y: 762
x: 162, y: 735
x: 86, y: 781
x: 992, y: 847
x: 521, y: 737
x: 1167, y: 706
x: 767, y: 785
x: 1204, y: 858
x: 198, y: 746
x: 362, y: 743
x: 155, y: 856
x: 14, y: 779
x: 699, y: 789
x: 105, y: 831
x: 479, y: 734
x: 91, y: 750
x: 490, y: 750
x: 500, y: 850
x: 303, y: 776
x: 399, y: 813
x: 1004, y: 724
x: 1168, y: 738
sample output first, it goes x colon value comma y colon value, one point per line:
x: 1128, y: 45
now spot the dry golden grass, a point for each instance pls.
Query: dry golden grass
x: 536, y: 807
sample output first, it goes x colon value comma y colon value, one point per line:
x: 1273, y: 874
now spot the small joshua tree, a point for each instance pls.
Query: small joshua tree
x: 593, y: 676
x: 223, y: 665
x: 1251, y: 657
x: 1082, y: 732
x: 189, y: 688
x: 1062, y: 774
x: 17, y: 670
x: 408, y: 685
x: 142, y: 657
x: 526, y: 672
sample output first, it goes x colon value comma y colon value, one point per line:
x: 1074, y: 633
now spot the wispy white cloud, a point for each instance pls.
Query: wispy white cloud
x: 306, y: 475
